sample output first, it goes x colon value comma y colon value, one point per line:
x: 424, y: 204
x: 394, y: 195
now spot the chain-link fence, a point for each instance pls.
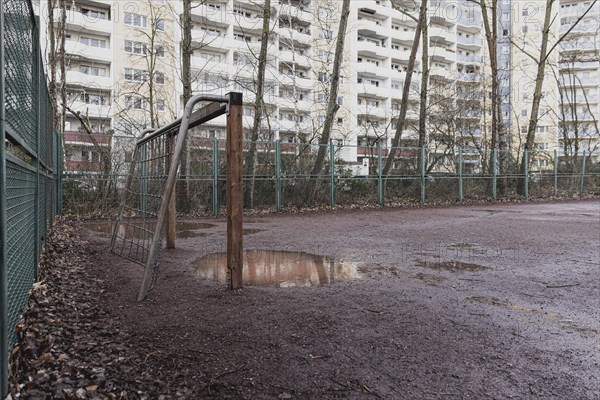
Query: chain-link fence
x: 284, y: 177
x: 30, y: 164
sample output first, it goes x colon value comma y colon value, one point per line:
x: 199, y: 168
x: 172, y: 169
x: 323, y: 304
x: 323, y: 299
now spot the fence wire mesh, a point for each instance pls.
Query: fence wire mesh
x: 284, y: 175
x: 29, y: 178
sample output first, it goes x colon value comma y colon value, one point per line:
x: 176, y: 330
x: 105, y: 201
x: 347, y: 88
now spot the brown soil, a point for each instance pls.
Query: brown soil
x: 485, y: 302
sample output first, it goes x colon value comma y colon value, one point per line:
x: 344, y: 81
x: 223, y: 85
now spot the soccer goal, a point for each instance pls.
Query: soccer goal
x: 148, y: 202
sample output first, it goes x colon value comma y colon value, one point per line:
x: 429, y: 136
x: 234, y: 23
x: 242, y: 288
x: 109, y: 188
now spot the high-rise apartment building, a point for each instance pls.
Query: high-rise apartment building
x: 569, y: 108
x: 124, y: 71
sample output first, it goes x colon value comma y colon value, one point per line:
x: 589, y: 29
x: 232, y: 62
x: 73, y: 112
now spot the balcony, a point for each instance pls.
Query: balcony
x: 472, y: 77
x: 371, y: 111
x: 371, y: 151
x: 291, y: 126
x: 295, y: 12
x: 471, y: 41
x: 292, y: 34
x: 580, y: 28
x: 402, y: 35
x: 91, y: 110
x: 290, y: 57
x: 78, y: 49
x: 472, y: 59
x: 372, y: 90
x: 578, y: 11
x: 78, y: 22
x: 369, y: 48
x: 291, y: 104
x: 83, y: 166
x: 438, y: 33
x: 444, y: 54
x: 290, y: 80
x: 368, y: 24
x: 76, y: 78
x: 208, y: 40
x: 78, y: 137
x: 366, y: 69
x: 567, y: 65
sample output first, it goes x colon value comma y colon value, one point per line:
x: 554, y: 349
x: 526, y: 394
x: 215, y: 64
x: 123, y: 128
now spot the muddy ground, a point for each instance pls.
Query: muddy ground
x: 482, y: 302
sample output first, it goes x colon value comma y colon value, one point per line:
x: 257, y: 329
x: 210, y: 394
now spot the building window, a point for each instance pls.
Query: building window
x: 159, y: 51
x: 90, y: 70
x: 523, y: 113
x: 135, y: 47
x: 160, y: 105
x: 93, y: 14
x: 96, y: 99
x: 136, y: 75
x: 159, y: 78
x: 133, y: 19
x: 323, y: 77
x: 160, y: 25
x: 136, y: 102
x: 93, y: 42
x: 325, y: 34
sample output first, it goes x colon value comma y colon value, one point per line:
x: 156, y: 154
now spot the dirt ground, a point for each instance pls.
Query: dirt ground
x: 499, y: 301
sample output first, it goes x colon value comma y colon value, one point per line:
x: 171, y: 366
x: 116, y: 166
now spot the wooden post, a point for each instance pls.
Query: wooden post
x: 235, y: 191
x: 171, y: 223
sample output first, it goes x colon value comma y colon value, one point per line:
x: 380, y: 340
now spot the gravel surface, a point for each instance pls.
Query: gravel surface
x: 499, y: 301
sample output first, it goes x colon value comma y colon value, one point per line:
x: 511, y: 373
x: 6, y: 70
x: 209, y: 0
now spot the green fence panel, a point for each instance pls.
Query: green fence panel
x: 30, y: 167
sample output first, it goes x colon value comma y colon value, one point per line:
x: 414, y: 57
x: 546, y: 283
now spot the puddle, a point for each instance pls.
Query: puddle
x: 187, y: 225
x: 252, y: 231
x: 191, y: 234
x: 184, y: 229
x: 280, y: 269
x: 454, y: 266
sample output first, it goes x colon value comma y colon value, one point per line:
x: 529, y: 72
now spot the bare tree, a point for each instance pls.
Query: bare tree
x: 401, y: 121
x: 332, y: 100
x: 541, y: 60
x: 252, y: 155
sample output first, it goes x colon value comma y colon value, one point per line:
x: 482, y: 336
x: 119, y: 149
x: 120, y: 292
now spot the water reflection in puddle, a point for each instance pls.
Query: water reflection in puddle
x: 279, y: 268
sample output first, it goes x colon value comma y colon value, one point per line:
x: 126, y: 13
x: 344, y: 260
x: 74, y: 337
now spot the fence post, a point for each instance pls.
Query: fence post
x: 379, y: 175
x: 331, y: 174
x: 494, y: 174
x: 143, y: 183
x: 422, y: 172
x: 581, y: 189
x: 3, y: 236
x: 215, y: 182
x: 37, y: 95
x: 526, y: 160
x: 555, y: 172
x: 460, y: 174
x: 278, y: 175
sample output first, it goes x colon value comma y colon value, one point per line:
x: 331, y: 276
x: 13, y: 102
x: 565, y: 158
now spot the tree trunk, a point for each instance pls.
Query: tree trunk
x: 537, y: 93
x: 63, y: 69
x: 406, y: 90
x: 424, y: 86
x: 186, y: 80
x: 332, y: 102
x: 252, y: 155
x: 491, y: 37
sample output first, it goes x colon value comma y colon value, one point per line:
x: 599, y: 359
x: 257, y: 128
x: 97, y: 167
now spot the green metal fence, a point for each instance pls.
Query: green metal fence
x: 30, y: 164
x: 284, y: 176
